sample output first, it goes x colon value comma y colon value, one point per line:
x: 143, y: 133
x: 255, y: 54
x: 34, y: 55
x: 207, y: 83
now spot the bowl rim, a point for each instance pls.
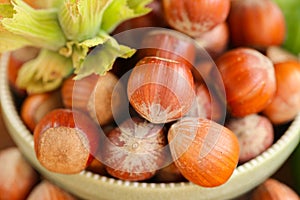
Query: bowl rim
x: 11, y: 114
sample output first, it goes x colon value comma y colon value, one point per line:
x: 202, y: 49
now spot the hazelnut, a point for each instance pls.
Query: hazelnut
x: 161, y: 90
x: 249, y: 80
x: 134, y: 151
x: 205, y: 152
x: 66, y: 141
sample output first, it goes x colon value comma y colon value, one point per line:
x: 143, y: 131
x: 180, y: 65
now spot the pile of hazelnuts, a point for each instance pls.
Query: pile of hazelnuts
x: 169, y: 114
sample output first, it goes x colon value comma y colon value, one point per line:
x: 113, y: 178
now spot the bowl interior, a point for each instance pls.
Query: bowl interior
x: 88, y: 185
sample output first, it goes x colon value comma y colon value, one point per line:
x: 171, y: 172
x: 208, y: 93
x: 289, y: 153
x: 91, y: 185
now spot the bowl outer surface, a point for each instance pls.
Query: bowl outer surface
x: 87, y: 185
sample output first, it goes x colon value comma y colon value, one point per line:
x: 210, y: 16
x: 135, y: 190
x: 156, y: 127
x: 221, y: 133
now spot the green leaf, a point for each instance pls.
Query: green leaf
x: 54, y: 3
x: 81, y: 19
x: 121, y: 10
x: 40, y: 26
x: 45, y: 4
x: 6, y: 10
x: 44, y: 73
x: 291, y: 11
x: 79, y: 50
x: 101, y: 59
x: 48, y: 3
x: 10, y: 41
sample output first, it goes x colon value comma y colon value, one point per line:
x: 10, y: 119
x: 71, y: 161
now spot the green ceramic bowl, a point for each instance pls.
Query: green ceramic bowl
x: 87, y: 185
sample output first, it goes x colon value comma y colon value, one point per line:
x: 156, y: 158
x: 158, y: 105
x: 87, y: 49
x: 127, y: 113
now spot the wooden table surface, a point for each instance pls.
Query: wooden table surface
x: 283, y: 174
